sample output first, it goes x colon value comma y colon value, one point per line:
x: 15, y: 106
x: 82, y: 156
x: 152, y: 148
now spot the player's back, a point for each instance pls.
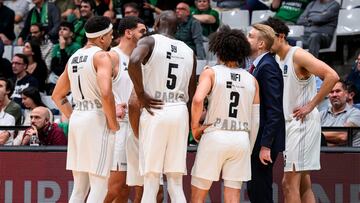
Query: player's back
x: 83, y: 82
x: 230, y: 100
x: 167, y: 73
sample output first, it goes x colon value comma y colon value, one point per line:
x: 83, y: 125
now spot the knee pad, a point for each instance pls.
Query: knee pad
x: 233, y: 184
x: 201, y: 183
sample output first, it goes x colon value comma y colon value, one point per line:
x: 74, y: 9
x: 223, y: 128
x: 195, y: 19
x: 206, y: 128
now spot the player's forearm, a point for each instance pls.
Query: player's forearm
x: 63, y: 105
x: 109, y: 110
x: 134, y: 114
x: 196, y: 111
x: 135, y: 74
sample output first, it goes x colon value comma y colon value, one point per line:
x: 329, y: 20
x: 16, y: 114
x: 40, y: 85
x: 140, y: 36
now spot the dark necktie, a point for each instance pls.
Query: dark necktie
x: 251, y: 69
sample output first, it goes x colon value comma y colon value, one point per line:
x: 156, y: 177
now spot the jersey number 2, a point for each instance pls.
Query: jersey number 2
x: 234, y: 97
x: 171, y: 82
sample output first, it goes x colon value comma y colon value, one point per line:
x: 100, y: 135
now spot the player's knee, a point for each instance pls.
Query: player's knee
x: 201, y: 183
x: 233, y: 184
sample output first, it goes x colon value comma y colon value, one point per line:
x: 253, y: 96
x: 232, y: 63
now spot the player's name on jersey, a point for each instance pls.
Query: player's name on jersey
x: 170, y: 97
x: 235, y: 76
x: 231, y: 125
x: 79, y: 59
x: 87, y: 105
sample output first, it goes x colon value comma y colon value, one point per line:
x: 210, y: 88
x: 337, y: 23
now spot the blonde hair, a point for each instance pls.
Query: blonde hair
x: 266, y: 33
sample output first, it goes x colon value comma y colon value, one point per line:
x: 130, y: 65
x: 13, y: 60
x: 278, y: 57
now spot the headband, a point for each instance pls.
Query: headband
x: 101, y: 32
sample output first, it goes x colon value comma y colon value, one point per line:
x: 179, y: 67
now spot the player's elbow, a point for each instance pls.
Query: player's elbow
x: 197, y: 101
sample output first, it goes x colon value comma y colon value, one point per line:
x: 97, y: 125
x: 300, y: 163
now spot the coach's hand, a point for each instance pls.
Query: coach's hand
x: 149, y: 102
x: 265, y: 155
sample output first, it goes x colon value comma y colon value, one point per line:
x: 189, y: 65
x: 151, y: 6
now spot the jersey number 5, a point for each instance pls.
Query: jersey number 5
x: 171, y: 82
x: 234, y: 98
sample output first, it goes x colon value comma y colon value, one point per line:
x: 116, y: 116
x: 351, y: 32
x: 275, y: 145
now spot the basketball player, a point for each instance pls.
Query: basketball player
x: 232, y: 118
x: 130, y: 31
x: 88, y: 75
x: 303, y: 127
x: 167, y: 77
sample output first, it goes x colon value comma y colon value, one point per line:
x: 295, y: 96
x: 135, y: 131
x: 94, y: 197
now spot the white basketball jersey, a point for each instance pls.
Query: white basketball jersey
x: 122, y: 84
x: 297, y: 92
x: 230, y: 100
x: 167, y: 73
x: 82, y: 75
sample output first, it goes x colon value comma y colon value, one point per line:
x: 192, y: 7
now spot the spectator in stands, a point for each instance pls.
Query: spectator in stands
x: 45, y: 13
x: 208, y: 17
x: 100, y: 7
x: 320, y: 20
x: 7, y: 17
x: 75, y: 13
x: 66, y: 7
x: 230, y: 3
x: 86, y: 11
x: 22, y: 79
x: 5, y: 64
x: 6, y: 119
x: 21, y: 9
x: 352, y: 94
x: 137, y: 8
x: 354, y: 77
x: 116, y: 38
x: 46, y: 46
x: 11, y: 107
x: 289, y: 11
x: 62, y: 52
x: 340, y: 114
x: 36, y: 67
x: 189, y: 30
x: 30, y: 99
x: 47, y: 132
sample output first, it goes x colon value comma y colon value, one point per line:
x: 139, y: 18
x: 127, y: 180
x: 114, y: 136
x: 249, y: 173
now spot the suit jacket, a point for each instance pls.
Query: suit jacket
x: 272, y: 122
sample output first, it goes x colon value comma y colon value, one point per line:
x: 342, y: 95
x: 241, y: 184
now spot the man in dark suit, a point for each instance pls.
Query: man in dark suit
x: 271, y: 136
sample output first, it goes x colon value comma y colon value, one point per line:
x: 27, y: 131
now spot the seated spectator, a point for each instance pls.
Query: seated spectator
x: 86, y: 11
x: 11, y: 107
x: 288, y: 11
x: 62, y: 52
x: 319, y: 20
x: 47, y: 133
x: 189, y: 30
x: 75, y: 14
x: 100, y: 7
x: 21, y: 78
x: 6, y: 119
x: 7, y: 17
x: 66, y: 8
x: 354, y: 78
x: 138, y: 9
x: 5, y: 70
x: 45, y: 13
x: 230, y: 3
x: 30, y: 99
x: 46, y: 46
x: 37, y: 67
x: 208, y: 17
x: 340, y: 114
x: 116, y: 38
x: 352, y: 93
x: 21, y: 9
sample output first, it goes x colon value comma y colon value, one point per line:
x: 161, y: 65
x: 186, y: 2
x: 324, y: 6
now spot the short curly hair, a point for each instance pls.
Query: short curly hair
x: 229, y: 44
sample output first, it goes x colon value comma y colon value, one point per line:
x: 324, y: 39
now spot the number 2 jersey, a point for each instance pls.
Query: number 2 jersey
x: 230, y: 100
x: 167, y: 73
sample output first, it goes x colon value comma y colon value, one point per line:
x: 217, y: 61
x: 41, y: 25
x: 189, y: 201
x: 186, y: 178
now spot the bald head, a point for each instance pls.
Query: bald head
x: 43, y: 111
x: 166, y: 22
x: 40, y: 117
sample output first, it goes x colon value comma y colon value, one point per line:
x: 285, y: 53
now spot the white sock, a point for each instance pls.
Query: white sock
x: 80, y: 188
x: 98, y: 188
x: 175, y: 187
x: 151, y: 187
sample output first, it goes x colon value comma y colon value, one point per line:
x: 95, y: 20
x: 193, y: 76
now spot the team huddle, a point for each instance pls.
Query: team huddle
x: 135, y: 104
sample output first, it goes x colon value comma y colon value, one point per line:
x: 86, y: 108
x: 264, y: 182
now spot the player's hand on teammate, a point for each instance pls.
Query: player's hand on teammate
x: 301, y: 112
x: 121, y: 110
x: 197, y: 131
x: 149, y: 102
x: 265, y: 155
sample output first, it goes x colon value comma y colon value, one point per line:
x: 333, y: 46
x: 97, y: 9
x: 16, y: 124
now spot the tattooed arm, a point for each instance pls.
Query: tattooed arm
x: 62, y: 88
